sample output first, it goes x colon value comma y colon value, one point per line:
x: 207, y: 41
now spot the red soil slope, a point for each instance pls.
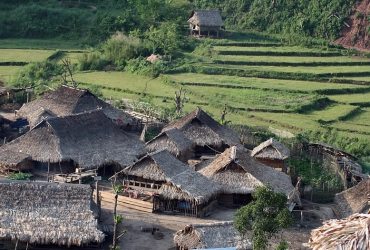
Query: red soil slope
x: 356, y: 36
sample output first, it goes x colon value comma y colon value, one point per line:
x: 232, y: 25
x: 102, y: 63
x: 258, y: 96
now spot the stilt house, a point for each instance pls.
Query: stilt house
x: 272, y: 153
x: 208, y: 136
x: 215, y: 235
x: 84, y: 141
x: 239, y: 174
x: 176, y: 188
x: 205, y: 21
x: 41, y: 213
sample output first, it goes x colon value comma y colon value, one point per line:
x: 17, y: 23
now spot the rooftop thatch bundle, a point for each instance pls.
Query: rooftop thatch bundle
x: 181, y: 182
x: 89, y: 139
x: 67, y: 101
x: 173, y: 140
x: 210, y: 235
x: 47, y: 214
x: 353, y: 200
x: 329, y: 149
x: 203, y: 130
x: 351, y: 233
x: 11, y: 159
x: 271, y: 149
x: 152, y: 58
x: 208, y: 18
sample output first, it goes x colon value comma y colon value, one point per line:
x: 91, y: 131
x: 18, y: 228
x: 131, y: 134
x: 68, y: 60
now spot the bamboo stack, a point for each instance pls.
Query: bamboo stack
x: 352, y: 233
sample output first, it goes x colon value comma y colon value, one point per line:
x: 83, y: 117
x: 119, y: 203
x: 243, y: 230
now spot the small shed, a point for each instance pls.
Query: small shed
x: 239, y: 174
x: 205, y: 21
x: 209, y: 136
x: 14, y: 161
x: 176, y: 187
x: 51, y: 214
x: 272, y: 153
x: 174, y: 141
x: 217, y: 235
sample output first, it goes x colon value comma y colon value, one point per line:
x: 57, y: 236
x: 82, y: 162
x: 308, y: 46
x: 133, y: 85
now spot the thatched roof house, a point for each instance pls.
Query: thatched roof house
x: 239, y: 174
x: 207, y: 134
x: 176, y: 183
x: 38, y: 115
x: 89, y: 140
x: 329, y: 149
x: 353, y: 200
x: 210, y: 235
x: 174, y: 141
x: 205, y: 20
x: 272, y: 153
x: 67, y: 101
x: 47, y: 214
x: 14, y: 161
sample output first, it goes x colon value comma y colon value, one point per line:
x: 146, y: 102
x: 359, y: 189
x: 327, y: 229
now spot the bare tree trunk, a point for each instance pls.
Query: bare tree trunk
x: 114, y: 244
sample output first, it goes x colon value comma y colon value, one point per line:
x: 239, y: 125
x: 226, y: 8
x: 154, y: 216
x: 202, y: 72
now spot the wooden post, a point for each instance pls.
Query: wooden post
x: 97, y: 198
x: 48, y: 170
x: 16, y: 244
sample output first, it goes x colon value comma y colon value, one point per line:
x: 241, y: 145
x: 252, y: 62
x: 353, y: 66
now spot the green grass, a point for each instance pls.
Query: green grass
x: 351, y: 98
x: 73, y: 56
x: 290, y: 59
x: 269, y: 49
x: 332, y: 113
x: 6, y: 72
x: 361, y: 118
x: 350, y: 127
x: 49, y: 44
x: 24, y: 55
x: 260, y: 83
x: 363, y: 78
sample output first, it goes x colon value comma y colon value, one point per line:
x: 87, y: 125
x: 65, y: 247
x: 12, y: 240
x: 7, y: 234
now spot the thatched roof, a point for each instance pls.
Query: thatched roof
x: 181, y: 182
x: 89, y: 139
x: 47, y: 213
x: 351, y: 233
x: 238, y: 172
x: 203, y: 130
x: 211, y: 235
x: 353, y: 200
x: 67, y: 101
x: 271, y: 149
x: 331, y: 149
x: 209, y: 18
x: 152, y: 58
x: 10, y: 158
x: 173, y: 140
x: 38, y: 115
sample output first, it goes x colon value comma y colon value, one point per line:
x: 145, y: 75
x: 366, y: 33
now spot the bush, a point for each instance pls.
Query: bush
x: 92, y: 61
x: 19, y: 176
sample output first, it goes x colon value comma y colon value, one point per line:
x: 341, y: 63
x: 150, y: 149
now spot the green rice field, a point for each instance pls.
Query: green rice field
x: 269, y: 49
x: 40, y: 44
x: 293, y: 59
x: 6, y: 72
x: 331, y: 113
x: 24, y: 55
x: 351, y: 98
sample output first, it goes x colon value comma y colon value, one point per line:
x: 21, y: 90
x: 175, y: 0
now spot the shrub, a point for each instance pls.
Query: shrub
x: 19, y: 176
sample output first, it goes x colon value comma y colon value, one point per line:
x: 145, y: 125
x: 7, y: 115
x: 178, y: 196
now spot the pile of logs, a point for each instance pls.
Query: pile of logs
x: 352, y: 233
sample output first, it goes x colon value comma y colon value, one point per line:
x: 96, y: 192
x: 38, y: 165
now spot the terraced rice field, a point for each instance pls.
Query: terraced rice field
x: 7, y: 72
x: 24, y: 55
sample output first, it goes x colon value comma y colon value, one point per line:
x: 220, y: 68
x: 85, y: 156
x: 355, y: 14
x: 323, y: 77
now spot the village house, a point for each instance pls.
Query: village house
x: 205, y: 21
x: 209, y: 137
x: 215, y: 235
x: 174, y: 186
x: 272, y: 153
x: 239, y: 174
x: 41, y: 213
x: 63, y: 144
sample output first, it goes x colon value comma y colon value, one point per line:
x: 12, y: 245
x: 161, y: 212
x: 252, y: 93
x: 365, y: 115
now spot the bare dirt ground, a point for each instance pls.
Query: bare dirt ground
x: 135, y: 239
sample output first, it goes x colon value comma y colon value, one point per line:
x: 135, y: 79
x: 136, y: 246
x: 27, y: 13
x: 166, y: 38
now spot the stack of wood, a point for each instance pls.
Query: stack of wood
x: 352, y: 233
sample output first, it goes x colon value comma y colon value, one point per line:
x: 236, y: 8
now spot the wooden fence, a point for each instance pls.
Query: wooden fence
x: 126, y: 202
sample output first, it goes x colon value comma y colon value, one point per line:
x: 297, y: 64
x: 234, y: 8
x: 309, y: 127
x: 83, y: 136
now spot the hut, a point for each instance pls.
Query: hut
x: 210, y: 235
x: 38, y: 115
x: 209, y: 137
x: 205, y: 21
x: 239, y: 174
x: 84, y: 141
x: 272, y: 153
x: 14, y: 161
x: 67, y: 101
x: 176, y: 188
x: 353, y: 200
x: 174, y: 141
x: 44, y: 213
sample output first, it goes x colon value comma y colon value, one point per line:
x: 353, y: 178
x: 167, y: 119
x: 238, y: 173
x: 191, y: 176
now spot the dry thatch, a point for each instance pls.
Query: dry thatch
x: 174, y: 141
x: 38, y: 115
x: 152, y: 58
x: 203, y: 130
x: 329, y: 149
x: 89, y: 139
x: 181, y: 182
x: 208, y: 18
x: 47, y: 213
x: 67, y: 101
x: 12, y: 160
x: 210, y: 235
x: 351, y: 233
x: 271, y: 149
x: 353, y: 200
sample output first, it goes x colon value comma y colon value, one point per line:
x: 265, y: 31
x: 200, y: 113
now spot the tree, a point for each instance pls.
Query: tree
x: 67, y: 67
x: 264, y: 216
x: 117, y: 218
x: 179, y: 101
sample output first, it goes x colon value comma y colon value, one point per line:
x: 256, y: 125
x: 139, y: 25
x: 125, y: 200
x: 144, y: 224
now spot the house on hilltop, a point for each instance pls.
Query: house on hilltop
x: 68, y: 101
x: 272, y: 153
x: 176, y: 188
x: 61, y: 144
x: 215, y: 235
x: 239, y: 174
x: 44, y: 213
x: 205, y: 21
x: 208, y: 136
